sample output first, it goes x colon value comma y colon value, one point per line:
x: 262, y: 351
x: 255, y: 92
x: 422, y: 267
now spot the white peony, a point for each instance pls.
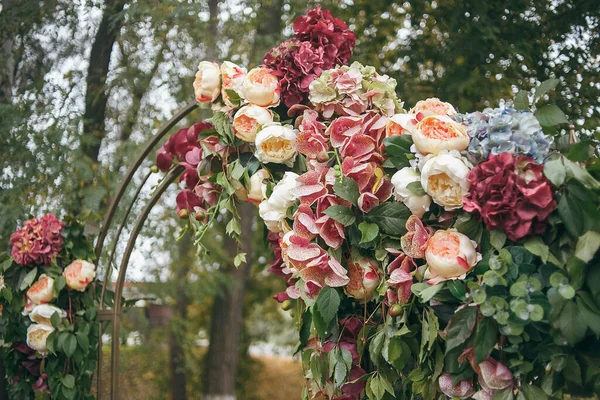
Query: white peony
x: 41, y: 291
x: 37, y: 335
x: 261, y: 87
x: 274, y: 209
x: 276, y: 143
x: 444, y: 178
x: 79, y: 274
x: 43, y: 312
x: 450, y: 255
x: 258, y: 187
x: 435, y: 133
x: 418, y: 204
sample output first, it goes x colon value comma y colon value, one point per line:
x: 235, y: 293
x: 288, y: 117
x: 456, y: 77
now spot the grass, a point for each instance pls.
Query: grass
x: 144, y: 376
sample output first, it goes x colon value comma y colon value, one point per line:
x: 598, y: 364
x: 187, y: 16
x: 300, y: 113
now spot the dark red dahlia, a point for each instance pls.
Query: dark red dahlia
x: 510, y: 193
x: 38, y: 241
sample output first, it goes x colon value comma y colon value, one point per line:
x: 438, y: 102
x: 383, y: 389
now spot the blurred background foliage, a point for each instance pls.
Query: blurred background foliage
x: 85, y: 83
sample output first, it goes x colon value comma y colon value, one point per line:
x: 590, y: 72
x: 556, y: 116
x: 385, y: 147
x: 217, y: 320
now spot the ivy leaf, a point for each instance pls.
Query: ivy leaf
x: 390, y: 217
x: 328, y: 303
x: 486, y: 335
x: 368, y: 232
x: 461, y: 327
x: 551, y: 115
x: 341, y: 214
x: 522, y: 100
x: 347, y: 189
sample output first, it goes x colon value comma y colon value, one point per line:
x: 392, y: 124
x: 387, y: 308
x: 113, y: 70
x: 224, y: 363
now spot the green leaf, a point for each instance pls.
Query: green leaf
x: 504, y: 394
x: 589, y: 310
x: 531, y: 392
x: 570, y: 323
x: 544, y: 88
x: 535, y: 245
x: 587, y: 246
x: 581, y: 151
x: 70, y: 345
x: 368, y: 232
x: 239, y: 259
x: 396, y: 146
x: 68, y: 381
x: 320, y: 325
x: 390, y: 217
x: 497, y: 239
x: 555, y: 171
x: 426, y: 292
x: 457, y: 288
x: 83, y: 341
x: 580, y: 174
x: 416, y: 188
x: 318, y: 367
x: 486, y: 335
x: 341, y: 214
x: 304, y: 332
x: 28, y: 280
x: 222, y: 123
x: 551, y: 115
x: 460, y: 327
x: 376, y: 387
x: 347, y: 189
x: 328, y: 303
x: 59, y: 284
x: 572, y: 371
x: 522, y: 100
x: 55, y: 319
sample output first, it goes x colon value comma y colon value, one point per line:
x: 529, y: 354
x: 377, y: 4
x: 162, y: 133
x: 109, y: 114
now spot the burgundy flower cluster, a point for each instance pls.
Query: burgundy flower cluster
x: 33, y: 365
x: 189, y: 150
x: 321, y: 43
x: 510, y: 193
x: 38, y: 241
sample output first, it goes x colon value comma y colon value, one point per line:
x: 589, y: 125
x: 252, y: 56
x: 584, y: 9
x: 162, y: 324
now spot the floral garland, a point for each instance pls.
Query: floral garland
x: 426, y: 252
x: 48, y: 312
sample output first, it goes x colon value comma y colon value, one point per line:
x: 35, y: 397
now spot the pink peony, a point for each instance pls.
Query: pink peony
x: 510, y: 193
x: 38, y: 241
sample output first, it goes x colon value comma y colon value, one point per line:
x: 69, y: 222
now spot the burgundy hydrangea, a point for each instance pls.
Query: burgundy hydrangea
x: 510, y: 193
x: 321, y: 43
x: 38, y: 241
x: 332, y: 34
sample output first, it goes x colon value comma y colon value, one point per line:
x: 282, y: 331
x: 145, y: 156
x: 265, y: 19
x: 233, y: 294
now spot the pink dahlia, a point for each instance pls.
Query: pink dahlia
x: 510, y: 193
x: 38, y: 241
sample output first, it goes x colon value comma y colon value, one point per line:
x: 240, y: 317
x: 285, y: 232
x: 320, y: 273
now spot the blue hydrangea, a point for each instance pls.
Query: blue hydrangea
x: 502, y: 130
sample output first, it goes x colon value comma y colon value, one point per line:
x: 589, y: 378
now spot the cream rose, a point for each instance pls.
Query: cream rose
x: 43, y: 312
x: 207, y: 85
x: 258, y: 188
x: 433, y: 106
x: 417, y: 204
x: 436, y: 133
x: 364, y: 278
x: 232, y: 76
x: 449, y: 255
x: 37, y: 335
x: 41, y: 291
x: 248, y: 121
x: 79, y: 274
x: 399, y: 124
x: 444, y: 178
x: 274, y: 209
x: 261, y: 88
x: 276, y: 143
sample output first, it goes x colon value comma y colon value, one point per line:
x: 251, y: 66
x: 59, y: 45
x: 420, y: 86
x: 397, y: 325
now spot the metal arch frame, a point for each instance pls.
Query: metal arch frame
x: 113, y: 315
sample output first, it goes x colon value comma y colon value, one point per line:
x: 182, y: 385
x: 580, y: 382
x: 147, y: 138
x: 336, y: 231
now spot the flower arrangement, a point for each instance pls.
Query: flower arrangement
x: 48, y: 310
x: 427, y: 252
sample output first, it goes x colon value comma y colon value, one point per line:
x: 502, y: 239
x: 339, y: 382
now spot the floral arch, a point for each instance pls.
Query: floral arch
x: 431, y: 253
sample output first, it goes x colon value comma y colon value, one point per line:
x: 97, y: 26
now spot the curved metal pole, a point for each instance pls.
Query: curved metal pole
x: 108, y: 274
x: 132, y: 170
x: 114, y: 379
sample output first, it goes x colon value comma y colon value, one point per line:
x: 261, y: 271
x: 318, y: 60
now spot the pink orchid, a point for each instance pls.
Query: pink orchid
x: 400, y: 281
x: 311, y: 140
x: 462, y: 390
x: 312, y: 264
x: 305, y: 222
x: 315, y: 183
x: 343, y: 128
x: 414, y: 242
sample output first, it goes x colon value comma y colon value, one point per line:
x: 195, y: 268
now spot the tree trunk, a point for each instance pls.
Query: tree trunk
x: 7, y: 60
x: 96, y: 96
x: 227, y: 318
